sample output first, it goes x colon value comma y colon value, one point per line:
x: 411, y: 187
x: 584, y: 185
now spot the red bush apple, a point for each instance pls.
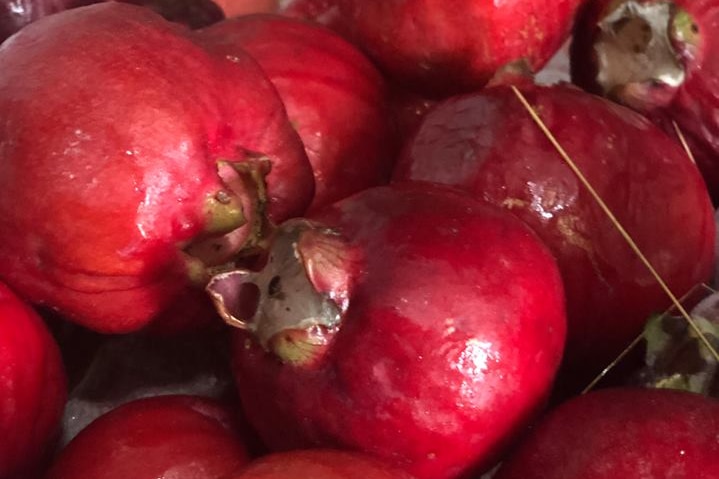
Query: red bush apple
x: 410, y: 322
x: 487, y: 144
x: 236, y: 8
x: 656, y: 57
x: 324, y: 12
x: 449, y: 47
x: 32, y: 389
x: 335, y: 98
x: 130, y: 159
x: 319, y: 464
x: 177, y: 437
x: 15, y: 14
x: 612, y: 433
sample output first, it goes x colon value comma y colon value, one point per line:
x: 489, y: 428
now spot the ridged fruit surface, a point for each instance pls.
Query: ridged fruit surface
x: 123, y: 145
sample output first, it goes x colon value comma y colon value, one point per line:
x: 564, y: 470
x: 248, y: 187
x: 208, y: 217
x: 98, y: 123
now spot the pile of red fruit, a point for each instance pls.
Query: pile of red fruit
x: 358, y: 239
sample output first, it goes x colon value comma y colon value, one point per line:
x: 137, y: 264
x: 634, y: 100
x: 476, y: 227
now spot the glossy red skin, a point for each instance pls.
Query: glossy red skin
x: 453, y: 334
x: 445, y: 47
x: 324, y: 12
x: 235, y: 8
x: 162, y: 437
x: 647, y: 433
x: 335, y: 98
x: 319, y: 464
x: 15, y: 14
x: 32, y: 389
x: 89, y: 229
x: 692, y: 104
x: 487, y: 144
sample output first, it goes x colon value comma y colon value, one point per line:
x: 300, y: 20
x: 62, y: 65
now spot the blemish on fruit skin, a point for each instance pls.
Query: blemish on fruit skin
x: 568, y: 227
x: 511, y: 203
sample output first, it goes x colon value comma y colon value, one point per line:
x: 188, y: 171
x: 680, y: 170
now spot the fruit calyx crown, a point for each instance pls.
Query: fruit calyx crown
x: 642, y: 52
x: 295, y: 304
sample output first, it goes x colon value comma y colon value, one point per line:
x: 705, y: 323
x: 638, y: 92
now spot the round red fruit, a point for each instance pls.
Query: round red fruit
x: 411, y: 322
x: 648, y: 433
x: 488, y: 144
x: 178, y: 437
x: 32, y: 389
x: 656, y: 56
x: 334, y: 96
x: 131, y: 159
x: 319, y: 464
x: 440, y: 48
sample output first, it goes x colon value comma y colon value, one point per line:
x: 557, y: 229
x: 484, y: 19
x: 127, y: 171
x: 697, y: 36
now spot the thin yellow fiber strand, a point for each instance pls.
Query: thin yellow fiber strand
x: 627, y: 237
x: 683, y: 141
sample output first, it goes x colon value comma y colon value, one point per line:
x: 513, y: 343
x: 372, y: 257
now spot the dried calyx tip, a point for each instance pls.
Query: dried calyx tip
x: 296, y: 302
x: 640, y: 52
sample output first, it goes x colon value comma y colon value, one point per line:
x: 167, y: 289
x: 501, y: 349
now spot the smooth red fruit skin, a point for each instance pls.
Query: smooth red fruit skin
x: 453, y: 332
x: 611, y: 433
x: 324, y: 12
x: 15, y: 14
x: 486, y: 143
x: 113, y: 123
x: 32, y: 389
x: 691, y: 105
x: 161, y: 437
x: 335, y: 98
x: 236, y: 8
x: 319, y: 464
x: 439, y: 48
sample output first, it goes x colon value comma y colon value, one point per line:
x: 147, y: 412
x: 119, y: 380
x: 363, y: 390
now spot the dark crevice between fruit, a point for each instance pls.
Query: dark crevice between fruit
x: 236, y: 224
x: 295, y: 304
x: 640, y: 52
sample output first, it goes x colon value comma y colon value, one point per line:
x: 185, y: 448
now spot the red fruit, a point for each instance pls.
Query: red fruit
x: 127, y: 169
x: 335, y: 98
x: 236, y: 8
x: 487, y: 144
x: 656, y: 57
x: 324, y: 12
x: 612, y: 433
x: 440, y: 48
x: 178, y: 437
x: 32, y: 389
x: 15, y: 14
x: 319, y: 464
x: 410, y: 322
